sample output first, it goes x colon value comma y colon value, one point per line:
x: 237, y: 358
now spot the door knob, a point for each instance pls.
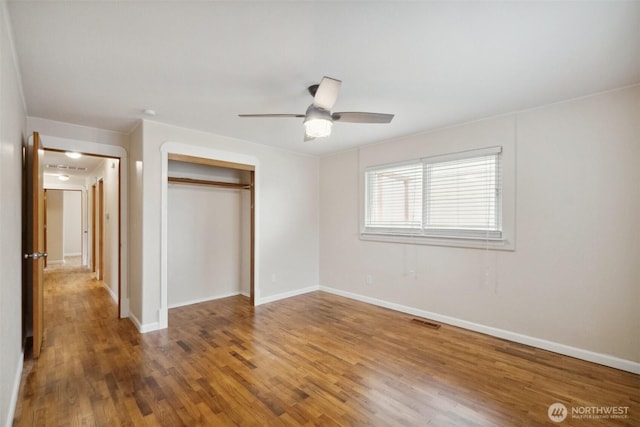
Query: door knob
x: 36, y: 255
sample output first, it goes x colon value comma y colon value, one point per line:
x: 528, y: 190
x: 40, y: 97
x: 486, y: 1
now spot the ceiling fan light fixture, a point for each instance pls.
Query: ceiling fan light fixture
x: 317, y: 122
x: 318, y: 127
x: 73, y: 154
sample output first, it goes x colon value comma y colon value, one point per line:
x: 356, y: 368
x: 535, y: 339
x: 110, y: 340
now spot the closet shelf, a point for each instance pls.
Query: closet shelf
x: 192, y: 181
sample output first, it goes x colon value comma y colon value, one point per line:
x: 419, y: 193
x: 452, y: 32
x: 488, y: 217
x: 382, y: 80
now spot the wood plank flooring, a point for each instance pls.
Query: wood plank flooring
x: 316, y: 359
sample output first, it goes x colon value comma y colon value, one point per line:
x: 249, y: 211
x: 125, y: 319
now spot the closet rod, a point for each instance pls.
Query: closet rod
x: 211, y: 183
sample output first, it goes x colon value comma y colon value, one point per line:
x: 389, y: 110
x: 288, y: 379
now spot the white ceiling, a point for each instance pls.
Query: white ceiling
x: 57, y: 163
x: 199, y: 64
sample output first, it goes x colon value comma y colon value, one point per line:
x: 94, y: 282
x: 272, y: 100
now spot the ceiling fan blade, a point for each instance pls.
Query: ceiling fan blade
x: 271, y: 115
x: 360, y: 117
x: 327, y: 93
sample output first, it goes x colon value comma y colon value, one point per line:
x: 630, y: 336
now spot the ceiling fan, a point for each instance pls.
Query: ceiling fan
x: 318, y: 118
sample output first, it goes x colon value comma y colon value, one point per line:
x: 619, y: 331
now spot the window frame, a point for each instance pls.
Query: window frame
x: 502, y: 240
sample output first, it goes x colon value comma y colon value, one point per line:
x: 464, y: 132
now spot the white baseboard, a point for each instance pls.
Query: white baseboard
x: 114, y: 296
x: 578, y: 353
x: 124, y: 307
x: 135, y: 321
x: 147, y: 327
x: 15, y: 391
x: 205, y: 299
x: 73, y: 254
x: 284, y: 295
x: 150, y: 327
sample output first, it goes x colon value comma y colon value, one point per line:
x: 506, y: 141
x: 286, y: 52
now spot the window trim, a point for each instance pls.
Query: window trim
x: 467, y: 238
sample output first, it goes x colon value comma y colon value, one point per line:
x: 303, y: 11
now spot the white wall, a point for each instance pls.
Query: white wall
x: 136, y: 248
x: 204, y: 243
x: 111, y: 224
x: 72, y: 223
x: 287, y: 218
x: 573, y: 277
x: 12, y: 133
x: 64, y: 224
x: 107, y: 171
x: 55, y: 227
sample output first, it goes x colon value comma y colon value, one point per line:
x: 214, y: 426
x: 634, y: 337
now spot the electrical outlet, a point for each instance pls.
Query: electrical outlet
x: 368, y: 279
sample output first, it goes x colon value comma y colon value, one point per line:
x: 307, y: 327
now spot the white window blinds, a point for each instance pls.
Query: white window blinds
x: 394, y: 197
x: 463, y: 194
x: 457, y: 195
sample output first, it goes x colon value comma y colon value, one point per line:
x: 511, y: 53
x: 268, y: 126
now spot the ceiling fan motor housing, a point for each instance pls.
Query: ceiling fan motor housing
x: 313, y: 89
x: 317, y: 122
x: 317, y: 113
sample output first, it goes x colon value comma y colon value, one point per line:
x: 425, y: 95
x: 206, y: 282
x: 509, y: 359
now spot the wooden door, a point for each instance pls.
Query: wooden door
x: 46, y: 231
x: 34, y: 251
x: 93, y: 228
x: 252, y: 300
x: 100, y: 218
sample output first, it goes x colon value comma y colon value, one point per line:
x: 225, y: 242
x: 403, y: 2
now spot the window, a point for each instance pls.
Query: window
x: 395, y: 198
x: 452, y: 196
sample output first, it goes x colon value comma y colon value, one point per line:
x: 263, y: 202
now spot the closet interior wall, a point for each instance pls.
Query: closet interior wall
x: 208, y: 219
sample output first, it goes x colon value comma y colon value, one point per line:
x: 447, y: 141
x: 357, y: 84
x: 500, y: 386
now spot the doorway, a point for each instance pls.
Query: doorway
x: 97, y: 179
x: 115, y: 207
x: 63, y: 225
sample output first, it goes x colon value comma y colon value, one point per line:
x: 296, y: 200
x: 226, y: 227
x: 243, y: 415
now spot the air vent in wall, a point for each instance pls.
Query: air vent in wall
x: 65, y: 167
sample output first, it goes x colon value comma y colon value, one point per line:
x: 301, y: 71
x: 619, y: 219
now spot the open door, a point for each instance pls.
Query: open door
x: 34, y: 251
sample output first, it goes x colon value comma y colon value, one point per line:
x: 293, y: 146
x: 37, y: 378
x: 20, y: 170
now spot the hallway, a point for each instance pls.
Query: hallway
x: 65, y: 386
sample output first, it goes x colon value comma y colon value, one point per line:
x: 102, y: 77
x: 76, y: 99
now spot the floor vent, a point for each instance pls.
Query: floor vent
x: 428, y: 323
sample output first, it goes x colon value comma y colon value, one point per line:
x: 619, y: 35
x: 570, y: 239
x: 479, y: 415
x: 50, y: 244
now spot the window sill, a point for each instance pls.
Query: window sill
x: 499, y: 245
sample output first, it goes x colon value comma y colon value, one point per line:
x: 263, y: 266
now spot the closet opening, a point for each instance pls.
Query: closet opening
x: 210, y: 230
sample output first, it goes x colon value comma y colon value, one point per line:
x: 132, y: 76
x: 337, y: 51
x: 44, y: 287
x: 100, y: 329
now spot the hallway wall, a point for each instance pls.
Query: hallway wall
x: 72, y: 223
x: 64, y: 221
x: 108, y: 172
x: 55, y: 227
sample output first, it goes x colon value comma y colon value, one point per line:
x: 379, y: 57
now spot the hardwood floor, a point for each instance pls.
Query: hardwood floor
x: 316, y: 359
